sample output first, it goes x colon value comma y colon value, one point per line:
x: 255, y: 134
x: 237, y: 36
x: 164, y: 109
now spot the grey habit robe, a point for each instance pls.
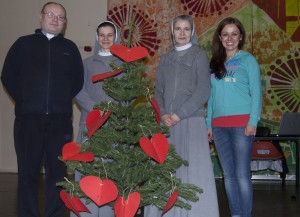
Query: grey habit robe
x: 182, y: 87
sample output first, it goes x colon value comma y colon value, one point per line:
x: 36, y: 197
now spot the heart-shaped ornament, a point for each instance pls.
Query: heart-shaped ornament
x: 95, y: 120
x: 98, y: 190
x: 73, y: 203
x: 128, y: 207
x: 170, y: 202
x: 93, y: 117
x: 156, y: 109
x: 157, y: 148
x: 129, y: 54
x: 71, y: 151
x: 104, y: 75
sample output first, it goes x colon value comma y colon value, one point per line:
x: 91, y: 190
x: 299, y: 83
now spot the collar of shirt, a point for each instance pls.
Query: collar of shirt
x: 184, y: 47
x: 48, y: 35
x: 104, y: 53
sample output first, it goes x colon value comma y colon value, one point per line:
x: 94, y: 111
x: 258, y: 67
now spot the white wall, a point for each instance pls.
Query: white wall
x: 19, y: 18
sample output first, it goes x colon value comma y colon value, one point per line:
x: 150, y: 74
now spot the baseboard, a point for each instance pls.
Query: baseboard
x: 274, y: 177
x: 8, y: 170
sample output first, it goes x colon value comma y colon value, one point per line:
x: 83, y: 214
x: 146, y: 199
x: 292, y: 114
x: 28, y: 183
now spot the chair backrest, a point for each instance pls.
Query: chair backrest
x: 265, y: 150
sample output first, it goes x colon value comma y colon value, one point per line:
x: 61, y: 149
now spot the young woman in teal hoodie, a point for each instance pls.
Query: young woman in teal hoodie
x: 234, y: 109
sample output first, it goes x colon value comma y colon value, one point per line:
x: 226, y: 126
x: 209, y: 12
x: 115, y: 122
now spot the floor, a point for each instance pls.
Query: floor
x: 270, y: 200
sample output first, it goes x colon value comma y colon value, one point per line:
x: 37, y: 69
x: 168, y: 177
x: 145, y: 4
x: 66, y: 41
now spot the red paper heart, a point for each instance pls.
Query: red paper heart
x: 92, y: 117
x: 102, y: 76
x: 157, y: 148
x: 128, y: 207
x: 129, y: 54
x: 170, y: 202
x: 95, y: 120
x: 73, y: 203
x: 71, y: 151
x: 156, y: 109
x: 100, y: 191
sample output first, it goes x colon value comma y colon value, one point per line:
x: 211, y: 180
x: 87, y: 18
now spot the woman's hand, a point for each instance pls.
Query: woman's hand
x: 175, y: 118
x: 210, y: 134
x: 166, y: 119
x: 250, y: 131
x: 170, y: 120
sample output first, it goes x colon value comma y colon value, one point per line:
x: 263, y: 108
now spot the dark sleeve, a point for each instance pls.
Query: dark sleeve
x: 78, y: 75
x: 10, y: 70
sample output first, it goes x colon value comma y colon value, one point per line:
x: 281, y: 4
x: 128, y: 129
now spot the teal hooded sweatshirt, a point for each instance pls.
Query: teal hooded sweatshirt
x: 238, y: 92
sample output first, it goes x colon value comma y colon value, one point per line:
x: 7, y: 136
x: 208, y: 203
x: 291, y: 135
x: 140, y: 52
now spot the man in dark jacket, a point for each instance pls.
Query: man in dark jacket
x: 42, y: 73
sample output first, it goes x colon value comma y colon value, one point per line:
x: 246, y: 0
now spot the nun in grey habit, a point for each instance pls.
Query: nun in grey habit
x: 93, y: 94
x: 182, y: 88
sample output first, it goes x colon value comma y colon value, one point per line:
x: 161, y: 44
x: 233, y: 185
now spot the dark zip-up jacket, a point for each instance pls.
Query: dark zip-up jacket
x: 43, y: 76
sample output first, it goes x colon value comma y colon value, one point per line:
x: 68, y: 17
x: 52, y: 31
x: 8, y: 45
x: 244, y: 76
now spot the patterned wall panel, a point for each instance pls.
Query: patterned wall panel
x: 273, y: 37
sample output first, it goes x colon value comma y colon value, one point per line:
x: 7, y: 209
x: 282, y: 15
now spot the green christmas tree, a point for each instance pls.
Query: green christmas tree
x: 117, y: 150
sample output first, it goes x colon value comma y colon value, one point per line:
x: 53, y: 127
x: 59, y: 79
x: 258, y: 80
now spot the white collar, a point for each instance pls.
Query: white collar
x: 48, y: 35
x: 184, y: 47
x: 104, y: 53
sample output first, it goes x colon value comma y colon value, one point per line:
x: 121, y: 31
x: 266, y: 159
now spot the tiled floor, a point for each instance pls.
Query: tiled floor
x: 270, y: 200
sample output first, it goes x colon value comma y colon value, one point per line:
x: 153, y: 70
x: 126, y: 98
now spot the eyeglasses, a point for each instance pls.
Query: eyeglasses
x: 51, y: 15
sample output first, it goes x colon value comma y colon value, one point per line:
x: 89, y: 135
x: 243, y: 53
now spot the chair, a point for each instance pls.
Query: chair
x: 270, y: 151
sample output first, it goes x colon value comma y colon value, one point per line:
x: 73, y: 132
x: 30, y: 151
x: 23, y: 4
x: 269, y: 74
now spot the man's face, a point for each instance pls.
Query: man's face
x: 53, y: 19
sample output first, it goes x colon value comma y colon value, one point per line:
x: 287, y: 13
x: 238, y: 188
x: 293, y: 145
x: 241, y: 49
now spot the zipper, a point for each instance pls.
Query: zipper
x: 48, y: 78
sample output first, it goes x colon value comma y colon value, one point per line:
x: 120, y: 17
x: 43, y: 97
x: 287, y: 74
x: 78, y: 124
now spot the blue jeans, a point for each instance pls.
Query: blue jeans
x: 234, y: 152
